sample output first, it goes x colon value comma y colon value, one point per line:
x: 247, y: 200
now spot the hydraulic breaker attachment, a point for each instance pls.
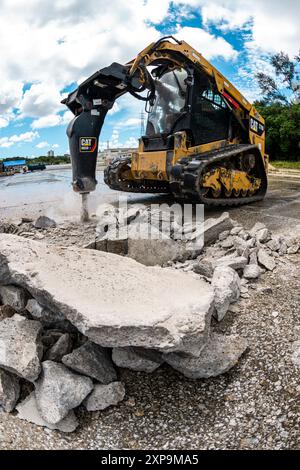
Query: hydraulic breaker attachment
x: 83, y: 132
x: 90, y: 103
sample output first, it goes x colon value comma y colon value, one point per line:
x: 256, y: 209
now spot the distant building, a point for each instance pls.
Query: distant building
x: 14, y: 165
x: 50, y: 153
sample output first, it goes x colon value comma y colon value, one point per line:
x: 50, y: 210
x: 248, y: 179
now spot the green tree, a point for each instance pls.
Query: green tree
x: 284, y: 86
x: 280, y: 106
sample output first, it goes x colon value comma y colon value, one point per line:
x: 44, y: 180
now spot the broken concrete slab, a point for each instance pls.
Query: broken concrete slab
x: 265, y: 260
x: 13, y: 296
x: 92, y: 360
x: 104, y: 396
x: 252, y: 271
x: 226, y: 284
x: 58, y: 390
x: 44, y: 222
x: 20, y: 346
x: 138, y: 359
x: 219, y: 355
x: 176, y: 308
x: 28, y: 411
x: 9, y: 390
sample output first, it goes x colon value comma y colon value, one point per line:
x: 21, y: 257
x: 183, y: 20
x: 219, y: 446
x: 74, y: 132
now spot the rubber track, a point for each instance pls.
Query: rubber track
x: 186, y: 175
x: 111, y: 178
x: 187, y: 170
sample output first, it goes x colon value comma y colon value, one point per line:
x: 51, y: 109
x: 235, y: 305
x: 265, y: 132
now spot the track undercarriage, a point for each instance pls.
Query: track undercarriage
x: 228, y: 177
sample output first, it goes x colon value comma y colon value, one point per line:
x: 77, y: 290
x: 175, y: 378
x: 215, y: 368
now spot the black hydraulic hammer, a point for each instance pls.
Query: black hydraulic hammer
x: 90, y: 103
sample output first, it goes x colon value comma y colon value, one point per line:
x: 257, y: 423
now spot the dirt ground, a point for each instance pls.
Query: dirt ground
x: 254, y: 406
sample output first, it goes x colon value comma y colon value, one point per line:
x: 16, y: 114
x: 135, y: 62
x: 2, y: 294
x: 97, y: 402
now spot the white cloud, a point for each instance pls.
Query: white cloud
x: 54, y: 43
x: 9, y: 141
x: 46, y: 121
x: 207, y: 44
x: 274, y: 24
x: 53, y: 120
x: 50, y: 44
x: 130, y: 122
x: 132, y: 142
x: 3, y: 122
x: 42, y: 145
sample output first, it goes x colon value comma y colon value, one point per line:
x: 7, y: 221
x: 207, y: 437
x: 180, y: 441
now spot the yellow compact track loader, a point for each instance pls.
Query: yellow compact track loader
x: 203, y: 141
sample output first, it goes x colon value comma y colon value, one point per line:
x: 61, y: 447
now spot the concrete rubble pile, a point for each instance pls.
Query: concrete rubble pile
x: 70, y: 318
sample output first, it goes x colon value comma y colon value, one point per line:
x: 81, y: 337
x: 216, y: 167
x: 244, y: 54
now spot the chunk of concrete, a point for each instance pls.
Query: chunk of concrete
x: 204, y: 268
x: 242, y: 247
x: 62, y: 347
x: 58, y: 390
x: 228, y: 242
x: 296, y: 353
x: 236, y: 230
x: 214, y: 227
x: 28, y: 411
x: 6, y: 311
x: 149, y: 246
x: 219, y: 355
x: 283, y: 247
x: 224, y: 235
x: 293, y: 249
x: 253, y: 256
x: 48, y: 318
x: 9, y: 390
x: 92, y: 360
x: 265, y: 260
x: 20, y: 346
x: 234, y: 262
x: 256, y: 228
x: 262, y: 236
x: 13, y: 296
x: 104, y: 396
x: 274, y: 244
x: 138, y: 359
x: 44, y: 222
x: 113, y: 300
x: 226, y: 284
x: 252, y: 271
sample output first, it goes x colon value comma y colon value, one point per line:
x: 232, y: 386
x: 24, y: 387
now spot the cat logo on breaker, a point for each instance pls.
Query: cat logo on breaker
x: 87, y: 144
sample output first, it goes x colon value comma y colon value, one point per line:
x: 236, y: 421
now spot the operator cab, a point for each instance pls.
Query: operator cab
x: 185, y: 101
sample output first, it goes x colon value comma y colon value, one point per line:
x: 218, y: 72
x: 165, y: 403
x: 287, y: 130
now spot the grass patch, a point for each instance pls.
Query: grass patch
x: 286, y: 164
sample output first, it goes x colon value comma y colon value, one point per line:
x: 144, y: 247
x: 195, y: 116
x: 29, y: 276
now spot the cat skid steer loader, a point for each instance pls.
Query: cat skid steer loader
x: 204, y: 141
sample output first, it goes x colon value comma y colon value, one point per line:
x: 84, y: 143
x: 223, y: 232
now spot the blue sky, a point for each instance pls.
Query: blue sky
x: 48, y: 46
